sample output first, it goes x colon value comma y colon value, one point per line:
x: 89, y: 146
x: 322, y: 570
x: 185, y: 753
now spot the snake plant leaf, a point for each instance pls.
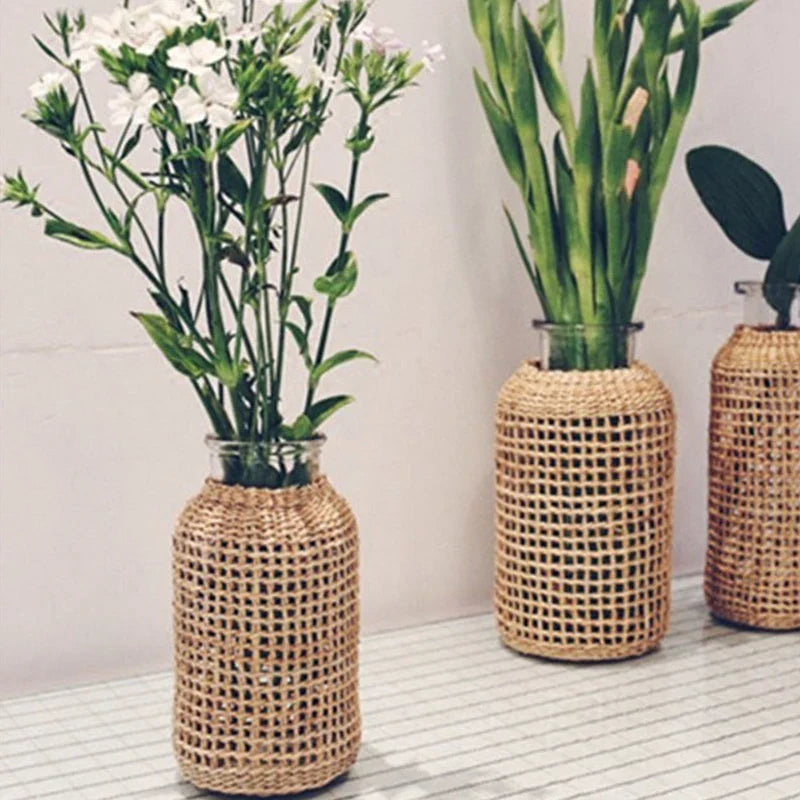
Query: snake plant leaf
x: 742, y: 197
x: 168, y: 340
x: 481, y: 24
x: 654, y: 17
x: 526, y: 261
x: 502, y: 130
x: 713, y: 22
x: 784, y: 269
x: 550, y: 17
x: 552, y: 83
x: 337, y: 360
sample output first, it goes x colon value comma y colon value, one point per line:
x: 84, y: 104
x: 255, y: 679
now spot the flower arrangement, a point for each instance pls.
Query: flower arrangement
x: 230, y: 98
x: 748, y: 205
x: 591, y: 211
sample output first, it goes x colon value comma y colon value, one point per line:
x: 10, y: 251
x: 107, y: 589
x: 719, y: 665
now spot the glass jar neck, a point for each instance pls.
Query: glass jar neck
x: 265, y: 465
x: 576, y: 347
x: 774, y: 306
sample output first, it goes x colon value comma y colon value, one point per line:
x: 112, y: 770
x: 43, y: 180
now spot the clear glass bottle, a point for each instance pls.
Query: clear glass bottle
x: 265, y: 465
x: 770, y: 306
x: 567, y: 347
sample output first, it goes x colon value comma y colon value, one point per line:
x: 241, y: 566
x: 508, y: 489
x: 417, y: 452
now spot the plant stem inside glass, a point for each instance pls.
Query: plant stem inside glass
x: 770, y: 306
x: 568, y: 347
x: 265, y: 465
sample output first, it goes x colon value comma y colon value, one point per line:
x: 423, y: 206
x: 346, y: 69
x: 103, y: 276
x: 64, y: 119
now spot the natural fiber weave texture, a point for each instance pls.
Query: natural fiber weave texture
x: 584, y: 505
x: 753, y: 560
x: 266, y: 618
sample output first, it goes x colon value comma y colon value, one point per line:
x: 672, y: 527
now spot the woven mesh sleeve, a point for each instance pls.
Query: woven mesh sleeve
x: 266, y: 625
x: 753, y: 558
x: 584, y: 511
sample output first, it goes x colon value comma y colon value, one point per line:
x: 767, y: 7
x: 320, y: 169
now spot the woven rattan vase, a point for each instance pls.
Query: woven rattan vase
x: 584, y: 497
x: 753, y: 559
x: 266, y: 621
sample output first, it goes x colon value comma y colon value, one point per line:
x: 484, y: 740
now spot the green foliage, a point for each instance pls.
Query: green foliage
x: 747, y: 204
x: 238, y: 160
x: 591, y: 210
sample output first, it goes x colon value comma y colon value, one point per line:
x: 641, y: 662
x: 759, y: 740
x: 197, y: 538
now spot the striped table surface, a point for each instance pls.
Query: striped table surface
x: 449, y: 713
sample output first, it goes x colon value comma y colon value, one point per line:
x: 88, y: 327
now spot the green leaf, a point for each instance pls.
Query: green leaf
x: 302, y: 428
x: 784, y: 269
x: 361, y: 207
x: 552, y: 83
x: 231, y: 181
x: 335, y: 199
x: 130, y: 144
x: 72, y: 234
x: 503, y: 131
x: 340, y: 283
x: 337, y: 360
x: 324, y: 409
x: 713, y: 22
x: 168, y: 340
x: 550, y: 17
x: 301, y: 338
x: 229, y: 374
x: 741, y: 196
x: 231, y: 134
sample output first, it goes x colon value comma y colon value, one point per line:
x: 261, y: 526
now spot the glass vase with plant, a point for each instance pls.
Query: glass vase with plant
x: 591, y: 208
x: 218, y: 108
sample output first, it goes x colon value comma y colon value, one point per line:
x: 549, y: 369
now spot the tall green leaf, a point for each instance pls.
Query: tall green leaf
x: 324, y: 409
x: 741, y: 196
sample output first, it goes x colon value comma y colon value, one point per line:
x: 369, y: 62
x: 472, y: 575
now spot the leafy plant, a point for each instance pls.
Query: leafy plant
x: 748, y: 205
x: 226, y: 103
x: 591, y: 208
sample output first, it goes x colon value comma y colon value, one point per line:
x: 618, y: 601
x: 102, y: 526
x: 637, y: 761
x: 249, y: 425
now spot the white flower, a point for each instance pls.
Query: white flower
x: 245, y: 32
x: 195, y: 57
x: 140, y: 32
x: 84, y: 55
x: 310, y: 74
x: 106, y: 32
x: 294, y: 63
x: 214, y: 101
x: 135, y: 104
x: 46, y: 84
x: 173, y: 15
x: 216, y: 9
x: 383, y: 41
x: 432, y: 54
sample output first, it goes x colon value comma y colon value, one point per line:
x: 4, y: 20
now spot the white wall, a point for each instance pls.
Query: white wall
x: 101, y: 443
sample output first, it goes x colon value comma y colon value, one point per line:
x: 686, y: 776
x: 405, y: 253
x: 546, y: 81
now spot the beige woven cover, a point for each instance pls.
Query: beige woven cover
x: 753, y: 561
x: 266, y: 616
x: 584, y: 505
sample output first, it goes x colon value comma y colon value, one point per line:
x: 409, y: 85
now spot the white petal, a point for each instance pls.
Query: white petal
x: 178, y: 57
x: 138, y: 84
x: 206, y: 51
x: 220, y: 116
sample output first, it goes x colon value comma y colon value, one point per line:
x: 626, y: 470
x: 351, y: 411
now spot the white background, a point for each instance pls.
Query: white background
x: 101, y: 443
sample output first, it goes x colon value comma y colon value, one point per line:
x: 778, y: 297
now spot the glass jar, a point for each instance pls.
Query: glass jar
x: 770, y: 306
x: 265, y: 465
x: 567, y: 346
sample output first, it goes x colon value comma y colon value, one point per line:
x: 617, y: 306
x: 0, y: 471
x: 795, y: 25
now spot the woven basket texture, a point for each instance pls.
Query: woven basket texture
x: 584, y: 512
x: 753, y: 558
x: 266, y: 625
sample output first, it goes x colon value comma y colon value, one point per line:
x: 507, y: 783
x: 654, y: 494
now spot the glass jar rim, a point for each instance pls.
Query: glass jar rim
x: 627, y: 327
x: 217, y: 445
x: 756, y: 287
